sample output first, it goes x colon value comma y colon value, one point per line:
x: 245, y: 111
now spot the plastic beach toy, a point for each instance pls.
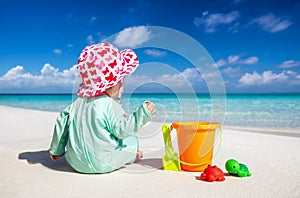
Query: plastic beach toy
x: 170, y: 160
x: 237, y: 169
x: 212, y: 173
x: 195, y: 145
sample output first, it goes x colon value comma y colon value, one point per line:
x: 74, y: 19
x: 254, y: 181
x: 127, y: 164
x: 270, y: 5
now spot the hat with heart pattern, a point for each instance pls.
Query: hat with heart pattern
x: 101, y: 66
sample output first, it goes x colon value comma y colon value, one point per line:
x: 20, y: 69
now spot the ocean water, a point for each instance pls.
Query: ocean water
x: 278, y: 113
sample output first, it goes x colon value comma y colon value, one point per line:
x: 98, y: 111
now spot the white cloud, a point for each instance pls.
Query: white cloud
x: 15, y: 73
x: 93, y: 19
x: 57, y: 51
x: 90, y: 40
x: 155, y: 53
x: 211, y: 21
x: 249, y: 61
x: 180, y: 81
x: 99, y: 37
x: 232, y: 59
x: 189, y: 75
x: 234, y: 27
x: 221, y: 63
x: 289, y: 64
x: 132, y: 37
x: 271, y: 23
x: 48, y: 78
x: 269, y: 77
x: 51, y: 79
x: 192, y: 74
x: 231, y: 71
x: 235, y: 59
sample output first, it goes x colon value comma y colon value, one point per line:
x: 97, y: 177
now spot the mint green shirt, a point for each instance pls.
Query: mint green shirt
x: 97, y: 135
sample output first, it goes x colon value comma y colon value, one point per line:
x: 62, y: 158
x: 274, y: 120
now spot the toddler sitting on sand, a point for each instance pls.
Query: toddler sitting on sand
x: 94, y: 133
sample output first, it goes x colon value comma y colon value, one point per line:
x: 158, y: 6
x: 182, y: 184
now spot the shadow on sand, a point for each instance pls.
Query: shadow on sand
x: 155, y: 163
x: 42, y: 157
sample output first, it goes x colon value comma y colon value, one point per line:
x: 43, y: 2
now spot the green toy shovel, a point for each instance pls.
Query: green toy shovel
x: 170, y: 160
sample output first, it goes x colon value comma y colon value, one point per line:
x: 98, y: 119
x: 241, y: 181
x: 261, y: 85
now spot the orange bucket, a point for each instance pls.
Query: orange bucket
x: 195, y: 144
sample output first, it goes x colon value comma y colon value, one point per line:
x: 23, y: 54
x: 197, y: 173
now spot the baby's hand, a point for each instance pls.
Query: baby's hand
x: 151, y: 107
x: 55, y: 157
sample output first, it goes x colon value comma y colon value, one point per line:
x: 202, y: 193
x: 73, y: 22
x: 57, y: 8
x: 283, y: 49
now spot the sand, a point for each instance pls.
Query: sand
x: 27, y: 171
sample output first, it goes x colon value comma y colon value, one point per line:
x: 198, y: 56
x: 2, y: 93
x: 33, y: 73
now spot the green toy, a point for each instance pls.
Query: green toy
x: 170, y: 160
x: 235, y: 168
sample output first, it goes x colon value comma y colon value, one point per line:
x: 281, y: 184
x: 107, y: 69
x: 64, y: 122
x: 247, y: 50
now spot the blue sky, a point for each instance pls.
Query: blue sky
x: 254, y: 43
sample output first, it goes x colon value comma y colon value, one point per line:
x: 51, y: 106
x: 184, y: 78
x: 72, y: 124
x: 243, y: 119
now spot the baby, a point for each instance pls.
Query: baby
x: 94, y: 133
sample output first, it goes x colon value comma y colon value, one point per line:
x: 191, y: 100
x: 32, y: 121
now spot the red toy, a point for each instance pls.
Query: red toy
x: 212, y: 173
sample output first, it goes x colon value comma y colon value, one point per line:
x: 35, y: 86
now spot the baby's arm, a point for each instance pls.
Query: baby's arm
x: 60, y: 136
x: 123, y: 125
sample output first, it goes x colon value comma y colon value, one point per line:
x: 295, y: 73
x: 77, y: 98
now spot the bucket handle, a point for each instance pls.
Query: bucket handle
x: 166, y: 129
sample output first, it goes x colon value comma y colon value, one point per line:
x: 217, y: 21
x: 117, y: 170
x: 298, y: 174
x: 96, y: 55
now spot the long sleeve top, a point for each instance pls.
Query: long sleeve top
x: 97, y: 135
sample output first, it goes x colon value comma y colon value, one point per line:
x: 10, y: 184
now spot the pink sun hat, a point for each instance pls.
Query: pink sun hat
x: 101, y: 66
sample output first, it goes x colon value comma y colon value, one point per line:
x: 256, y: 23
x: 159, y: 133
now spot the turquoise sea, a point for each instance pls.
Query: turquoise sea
x: 278, y: 113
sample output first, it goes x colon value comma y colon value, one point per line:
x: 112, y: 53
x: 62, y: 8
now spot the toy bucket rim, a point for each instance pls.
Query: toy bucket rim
x: 199, y: 126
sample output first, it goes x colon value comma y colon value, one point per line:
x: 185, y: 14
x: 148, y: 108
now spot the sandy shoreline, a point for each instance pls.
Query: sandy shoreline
x: 27, y: 171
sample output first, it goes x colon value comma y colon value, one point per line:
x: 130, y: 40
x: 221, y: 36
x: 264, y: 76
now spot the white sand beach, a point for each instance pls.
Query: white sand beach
x: 27, y: 171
